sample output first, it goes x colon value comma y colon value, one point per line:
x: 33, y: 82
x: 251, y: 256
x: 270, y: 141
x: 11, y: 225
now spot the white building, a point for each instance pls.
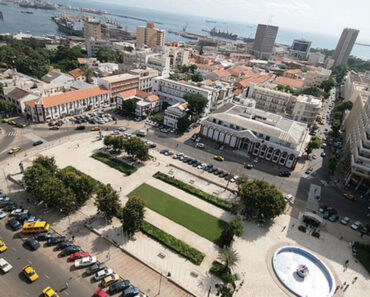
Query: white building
x: 161, y: 64
x: 92, y: 46
x: 18, y: 97
x: 73, y: 102
x: 315, y: 77
x: 258, y: 133
x: 316, y: 58
x: 178, y: 56
x: 300, y: 48
x: 145, y: 78
x: 306, y: 109
x: 173, y: 113
x: 145, y: 104
x: 54, y: 76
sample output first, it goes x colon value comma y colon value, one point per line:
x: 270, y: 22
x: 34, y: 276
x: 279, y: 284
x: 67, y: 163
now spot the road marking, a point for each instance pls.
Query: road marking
x: 48, y: 277
x: 14, y: 133
x: 66, y: 292
x: 29, y: 262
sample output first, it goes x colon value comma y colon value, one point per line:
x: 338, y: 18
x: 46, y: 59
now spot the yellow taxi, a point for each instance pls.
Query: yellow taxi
x: 49, y: 292
x: 30, y: 273
x: 20, y: 125
x: 109, y: 280
x: 95, y: 129
x: 11, y: 122
x: 5, y: 120
x: 218, y: 158
x: 3, y: 246
x: 55, y: 127
x: 350, y: 196
x: 14, y: 150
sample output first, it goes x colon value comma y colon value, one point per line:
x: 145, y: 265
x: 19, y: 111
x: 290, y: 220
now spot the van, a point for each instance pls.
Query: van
x: 142, y: 133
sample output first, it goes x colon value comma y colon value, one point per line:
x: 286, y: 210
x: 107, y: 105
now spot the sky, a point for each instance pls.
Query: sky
x: 327, y: 17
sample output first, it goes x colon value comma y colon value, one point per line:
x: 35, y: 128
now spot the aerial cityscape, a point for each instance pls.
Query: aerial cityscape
x: 184, y: 148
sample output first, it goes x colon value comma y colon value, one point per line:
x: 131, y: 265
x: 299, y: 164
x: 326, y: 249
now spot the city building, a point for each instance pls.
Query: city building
x: 258, y: 133
x: 291, y: 82
x: 146, y: 103
x: 119, y: 83
x: 149, y: 36
x: 77, y: 74
x: 345, y: 45
x: 293, y: 73
x: 173, y: 113
x: 93, y: 45
x: 145, y: 78
x: 73, y: 102
x: 329, y: 62
x: 18, y: 97
x: 178, y: 56
x: 300, y: 49
x: 316, y: 58
x: 315, y: 77
x: 54, y: 76
x: 92, y: 29
x: 264, y: 41
x: 106, y: 69
x: 306, y: 109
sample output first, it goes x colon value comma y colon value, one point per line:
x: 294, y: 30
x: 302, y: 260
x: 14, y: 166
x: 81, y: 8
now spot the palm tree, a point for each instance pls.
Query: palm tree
x: 228, y: 257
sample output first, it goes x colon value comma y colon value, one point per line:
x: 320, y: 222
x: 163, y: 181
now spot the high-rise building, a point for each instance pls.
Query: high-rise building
x: 345, y: 45
x: 300, y: 48
x: 92, y: 29
x: 149, y: 36
x: 264, y: 40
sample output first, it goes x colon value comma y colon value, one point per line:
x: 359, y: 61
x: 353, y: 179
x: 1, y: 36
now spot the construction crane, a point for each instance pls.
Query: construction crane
x: 185, y: 27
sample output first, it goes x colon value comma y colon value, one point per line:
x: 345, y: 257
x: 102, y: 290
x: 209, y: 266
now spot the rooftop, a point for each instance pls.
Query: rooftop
x: 120, y: 77
x: 286, y: 81
x: 76, y: 72
x: 17, y: 93
x: 256, y: 78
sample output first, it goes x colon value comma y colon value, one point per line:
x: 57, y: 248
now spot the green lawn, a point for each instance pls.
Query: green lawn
x: 180, y: 212
x: 114, y: 163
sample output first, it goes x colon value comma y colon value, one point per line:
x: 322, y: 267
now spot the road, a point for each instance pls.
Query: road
x: 52, y: 271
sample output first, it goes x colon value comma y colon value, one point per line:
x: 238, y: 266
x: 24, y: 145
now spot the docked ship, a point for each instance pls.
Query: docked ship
x: 68, y: 26
x: 38, y: 4
x: 226, y: 35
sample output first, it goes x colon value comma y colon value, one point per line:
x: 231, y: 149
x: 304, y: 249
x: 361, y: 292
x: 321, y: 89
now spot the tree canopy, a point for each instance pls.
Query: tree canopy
x: 228, y: 257
x: 327, y: 84
x: 196, y: 104
x: 136, y: 148
x: 314, y: 143
x: 107, y: 201
x: 133, y: 215
x: 6, y: 107
x: 183, y: 124
x: 129, y: 105
x: 261, y: 198
x: 105, y: 54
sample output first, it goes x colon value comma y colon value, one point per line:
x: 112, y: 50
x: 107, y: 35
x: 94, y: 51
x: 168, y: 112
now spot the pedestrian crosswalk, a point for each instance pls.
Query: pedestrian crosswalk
x: 12, y: 133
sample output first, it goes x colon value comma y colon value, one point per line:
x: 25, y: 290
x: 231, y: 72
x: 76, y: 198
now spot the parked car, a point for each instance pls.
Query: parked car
x: 94, y: 268
x: 62, y: 245
x: 356, y: 225
x: 109, y: 280
x: 10, y: 207
x: 78, y: 255
x: 14, y: 224
x: 55, y: 240
x: 5, y: 266
x: 364, y: 229
x: 100, y: 293
x: 18, y: 211
x: 32, y: 243
x: 248, y: 166
x: 44, y: 236
x: 344, y: 221
x: 80, y: 127
x: 102, y: 273
x: 333, y: 218
x: 70, y: 250
x: 309, y: 170
x: 119, y: 287
x: 86, y: 261
x: 200, y: 145
x: 38, y: 142
x: 2, y: 214
x: 284, y: 173
x: 130, y: 292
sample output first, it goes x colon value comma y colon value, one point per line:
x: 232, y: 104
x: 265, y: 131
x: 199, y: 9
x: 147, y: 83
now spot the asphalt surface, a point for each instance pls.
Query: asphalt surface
x: 52, y: 271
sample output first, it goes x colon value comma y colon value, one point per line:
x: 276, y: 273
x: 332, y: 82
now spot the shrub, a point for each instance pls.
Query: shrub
x: 114, y: 163
x: 302, y: 228
x: 194, y: 191
x: 222, y: 272
x: 363, y: 254
x: 190, y: 253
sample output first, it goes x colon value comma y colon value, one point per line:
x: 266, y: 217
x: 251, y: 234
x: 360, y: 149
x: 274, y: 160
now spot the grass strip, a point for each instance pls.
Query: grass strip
x: 114, y: 163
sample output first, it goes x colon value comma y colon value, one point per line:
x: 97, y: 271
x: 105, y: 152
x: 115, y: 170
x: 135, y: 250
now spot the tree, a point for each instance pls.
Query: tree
x: 261, y: 198
x: 327, y: 84
x: 333, y: 162
x: 47, y: 162
x: 88, y: 72
x: 157, y: 118
x: 314, y: 143
x: 107, y: 201
x: 228, y: 257
x: 34, y: 177
x: 133, y: 215
x: 136, y: 148
x: 6, y: 106
x: 183, y: 124
x: 105, y: 54
x: 117, y: 142
x: 339, y: 71
x: 196, y: 104
x: 343, y: 106
x: 108, y: 140
x: 129, y: 105
x: 197, y: 77
x: 335, y: 126
x: 235, y: 227
x: 224, y: 291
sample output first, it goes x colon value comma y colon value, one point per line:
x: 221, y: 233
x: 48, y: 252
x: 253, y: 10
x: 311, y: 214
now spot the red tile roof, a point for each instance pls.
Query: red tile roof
x: 32, y: 102
x: 293, y: 71
x: 71, y: 96
x: 222, y: 73
x: 134, y: 92
x: 153, y: 98
x: 76, y: 72
x: 257, y: 78
x: 292, y: 82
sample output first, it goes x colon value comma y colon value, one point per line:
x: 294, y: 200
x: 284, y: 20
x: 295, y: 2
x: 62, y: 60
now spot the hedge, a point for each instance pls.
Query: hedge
x: 114, y: 163
x: 190, y: 253
x: 221, y: 272
x: 194, y: 191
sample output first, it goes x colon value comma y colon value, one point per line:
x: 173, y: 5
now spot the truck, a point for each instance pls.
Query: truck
x: 142, y: 133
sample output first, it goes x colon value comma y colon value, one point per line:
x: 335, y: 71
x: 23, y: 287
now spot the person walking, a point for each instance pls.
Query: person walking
x: 354, y: 280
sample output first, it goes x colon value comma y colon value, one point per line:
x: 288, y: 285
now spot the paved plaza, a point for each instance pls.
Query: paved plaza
x: 255, y: 247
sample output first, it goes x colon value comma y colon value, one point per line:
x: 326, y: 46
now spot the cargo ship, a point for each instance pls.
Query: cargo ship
x: 225, y: 35
x: 69, y: 27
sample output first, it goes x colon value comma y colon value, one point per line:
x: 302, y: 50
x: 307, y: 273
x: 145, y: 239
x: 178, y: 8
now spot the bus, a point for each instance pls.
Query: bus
x: 35, y: 227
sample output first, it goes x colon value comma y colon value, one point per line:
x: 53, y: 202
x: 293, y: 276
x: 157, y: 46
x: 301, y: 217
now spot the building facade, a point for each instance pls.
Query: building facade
x: 345, y: 45
x: 316, y: 58
x: 315, y: 77
x: 92, y: 29
x: 93, y: 45
x: 146, y: 103
x: 264, y: 41
x: 173, y: 113
x: 119, y: 83
x: 178, y: 56
x: 258, y: 133
x: 306, y: 109
x: 149, y: 36
x: 145, y: 78
x: 73, y: 102
x: 300, y: 49
x: 18, y: 97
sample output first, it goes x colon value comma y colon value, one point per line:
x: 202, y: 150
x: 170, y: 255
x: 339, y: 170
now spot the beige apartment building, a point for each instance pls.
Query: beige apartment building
x: 119, y: 83
x: 145, y: 78
x: 149, y: 36
x: 315, y: 77
x: 306, y: 109
x: 92, y: 29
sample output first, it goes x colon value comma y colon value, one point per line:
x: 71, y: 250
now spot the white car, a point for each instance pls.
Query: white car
x: 18, y: 211
x: 356, y: 225
x: 200, y: 145
x: 115, y: 132
x: 2, y: 214
x: 86, y: 261
x: 122, y: 129
x: 5, y: 266
x: 233, y: 180
x: 288, y: 197
x: 103, y: 273
x: 344, y: 221
x: 127, y: 135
